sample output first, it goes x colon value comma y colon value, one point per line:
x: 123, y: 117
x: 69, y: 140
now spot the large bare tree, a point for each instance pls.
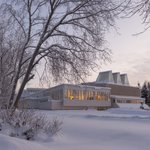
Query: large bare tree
x: 67, y: 34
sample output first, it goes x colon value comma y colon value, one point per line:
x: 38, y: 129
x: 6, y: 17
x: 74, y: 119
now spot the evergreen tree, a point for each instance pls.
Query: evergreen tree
x: 145, y: 92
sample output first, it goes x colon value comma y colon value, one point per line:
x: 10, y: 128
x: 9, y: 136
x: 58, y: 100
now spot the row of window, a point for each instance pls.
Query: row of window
x: 129, y: 101
x: 72, y: 94
x: 85, y: 95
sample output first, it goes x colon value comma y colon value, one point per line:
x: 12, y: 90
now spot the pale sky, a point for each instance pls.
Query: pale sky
x: 130, y: 53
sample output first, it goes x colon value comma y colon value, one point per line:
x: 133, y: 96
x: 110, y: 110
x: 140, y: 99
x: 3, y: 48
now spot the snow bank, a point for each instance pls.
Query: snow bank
x: 10, y: 143
x: 124, y: 128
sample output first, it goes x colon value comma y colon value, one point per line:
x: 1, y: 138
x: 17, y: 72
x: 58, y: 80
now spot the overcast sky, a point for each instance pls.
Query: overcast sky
x: 130, y: 53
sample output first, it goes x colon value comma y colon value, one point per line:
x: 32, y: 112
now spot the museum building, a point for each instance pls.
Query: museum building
x: 107, y: 91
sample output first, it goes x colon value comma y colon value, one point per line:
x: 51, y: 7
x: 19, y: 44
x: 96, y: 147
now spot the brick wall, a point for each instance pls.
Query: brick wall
x: 119, y: 90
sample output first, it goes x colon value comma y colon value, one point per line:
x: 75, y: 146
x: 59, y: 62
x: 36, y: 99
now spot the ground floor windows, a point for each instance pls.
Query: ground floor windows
x: 80, y: 94
x: 128, y: 101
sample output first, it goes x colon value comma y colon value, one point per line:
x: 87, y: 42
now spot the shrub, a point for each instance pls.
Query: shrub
x: 27, y: 124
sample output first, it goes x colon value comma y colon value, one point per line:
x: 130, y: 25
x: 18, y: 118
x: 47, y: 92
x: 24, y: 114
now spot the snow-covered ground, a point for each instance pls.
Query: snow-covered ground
x: 125, y: 128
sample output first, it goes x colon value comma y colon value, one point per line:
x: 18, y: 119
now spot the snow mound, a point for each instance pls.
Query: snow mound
x: 10, y: 143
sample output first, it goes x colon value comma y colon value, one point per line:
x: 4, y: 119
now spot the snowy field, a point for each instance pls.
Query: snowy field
x: 125, y: 128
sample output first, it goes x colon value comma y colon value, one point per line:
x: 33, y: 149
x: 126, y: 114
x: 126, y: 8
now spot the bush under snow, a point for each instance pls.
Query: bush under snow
x: 27, y: 124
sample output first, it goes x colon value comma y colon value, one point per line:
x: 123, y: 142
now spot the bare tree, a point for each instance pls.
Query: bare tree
x: 7, y: 66
x: 142, y: 8
x: 67, y: 34
x: 10, y: 49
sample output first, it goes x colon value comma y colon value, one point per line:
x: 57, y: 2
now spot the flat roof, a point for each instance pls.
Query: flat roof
x: 80, y: 85
x: 98, y: 83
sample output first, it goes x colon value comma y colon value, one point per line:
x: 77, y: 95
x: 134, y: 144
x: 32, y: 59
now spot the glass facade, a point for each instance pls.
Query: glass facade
x: 88, y: 94
x: 81, y: 93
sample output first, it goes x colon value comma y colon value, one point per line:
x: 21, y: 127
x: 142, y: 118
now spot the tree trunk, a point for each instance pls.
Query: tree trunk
x: 26, y: 78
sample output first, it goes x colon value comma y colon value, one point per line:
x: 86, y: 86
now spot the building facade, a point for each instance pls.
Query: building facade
x: 109, y: 89
x: 121, y: 91
x: 69, y: 96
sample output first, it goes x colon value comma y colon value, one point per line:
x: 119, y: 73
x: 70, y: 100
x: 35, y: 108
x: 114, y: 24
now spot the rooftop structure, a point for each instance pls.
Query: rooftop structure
x: 124, y: 79
x: 117, y: 78
x: 105, y: 77
x: 112, y: 78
